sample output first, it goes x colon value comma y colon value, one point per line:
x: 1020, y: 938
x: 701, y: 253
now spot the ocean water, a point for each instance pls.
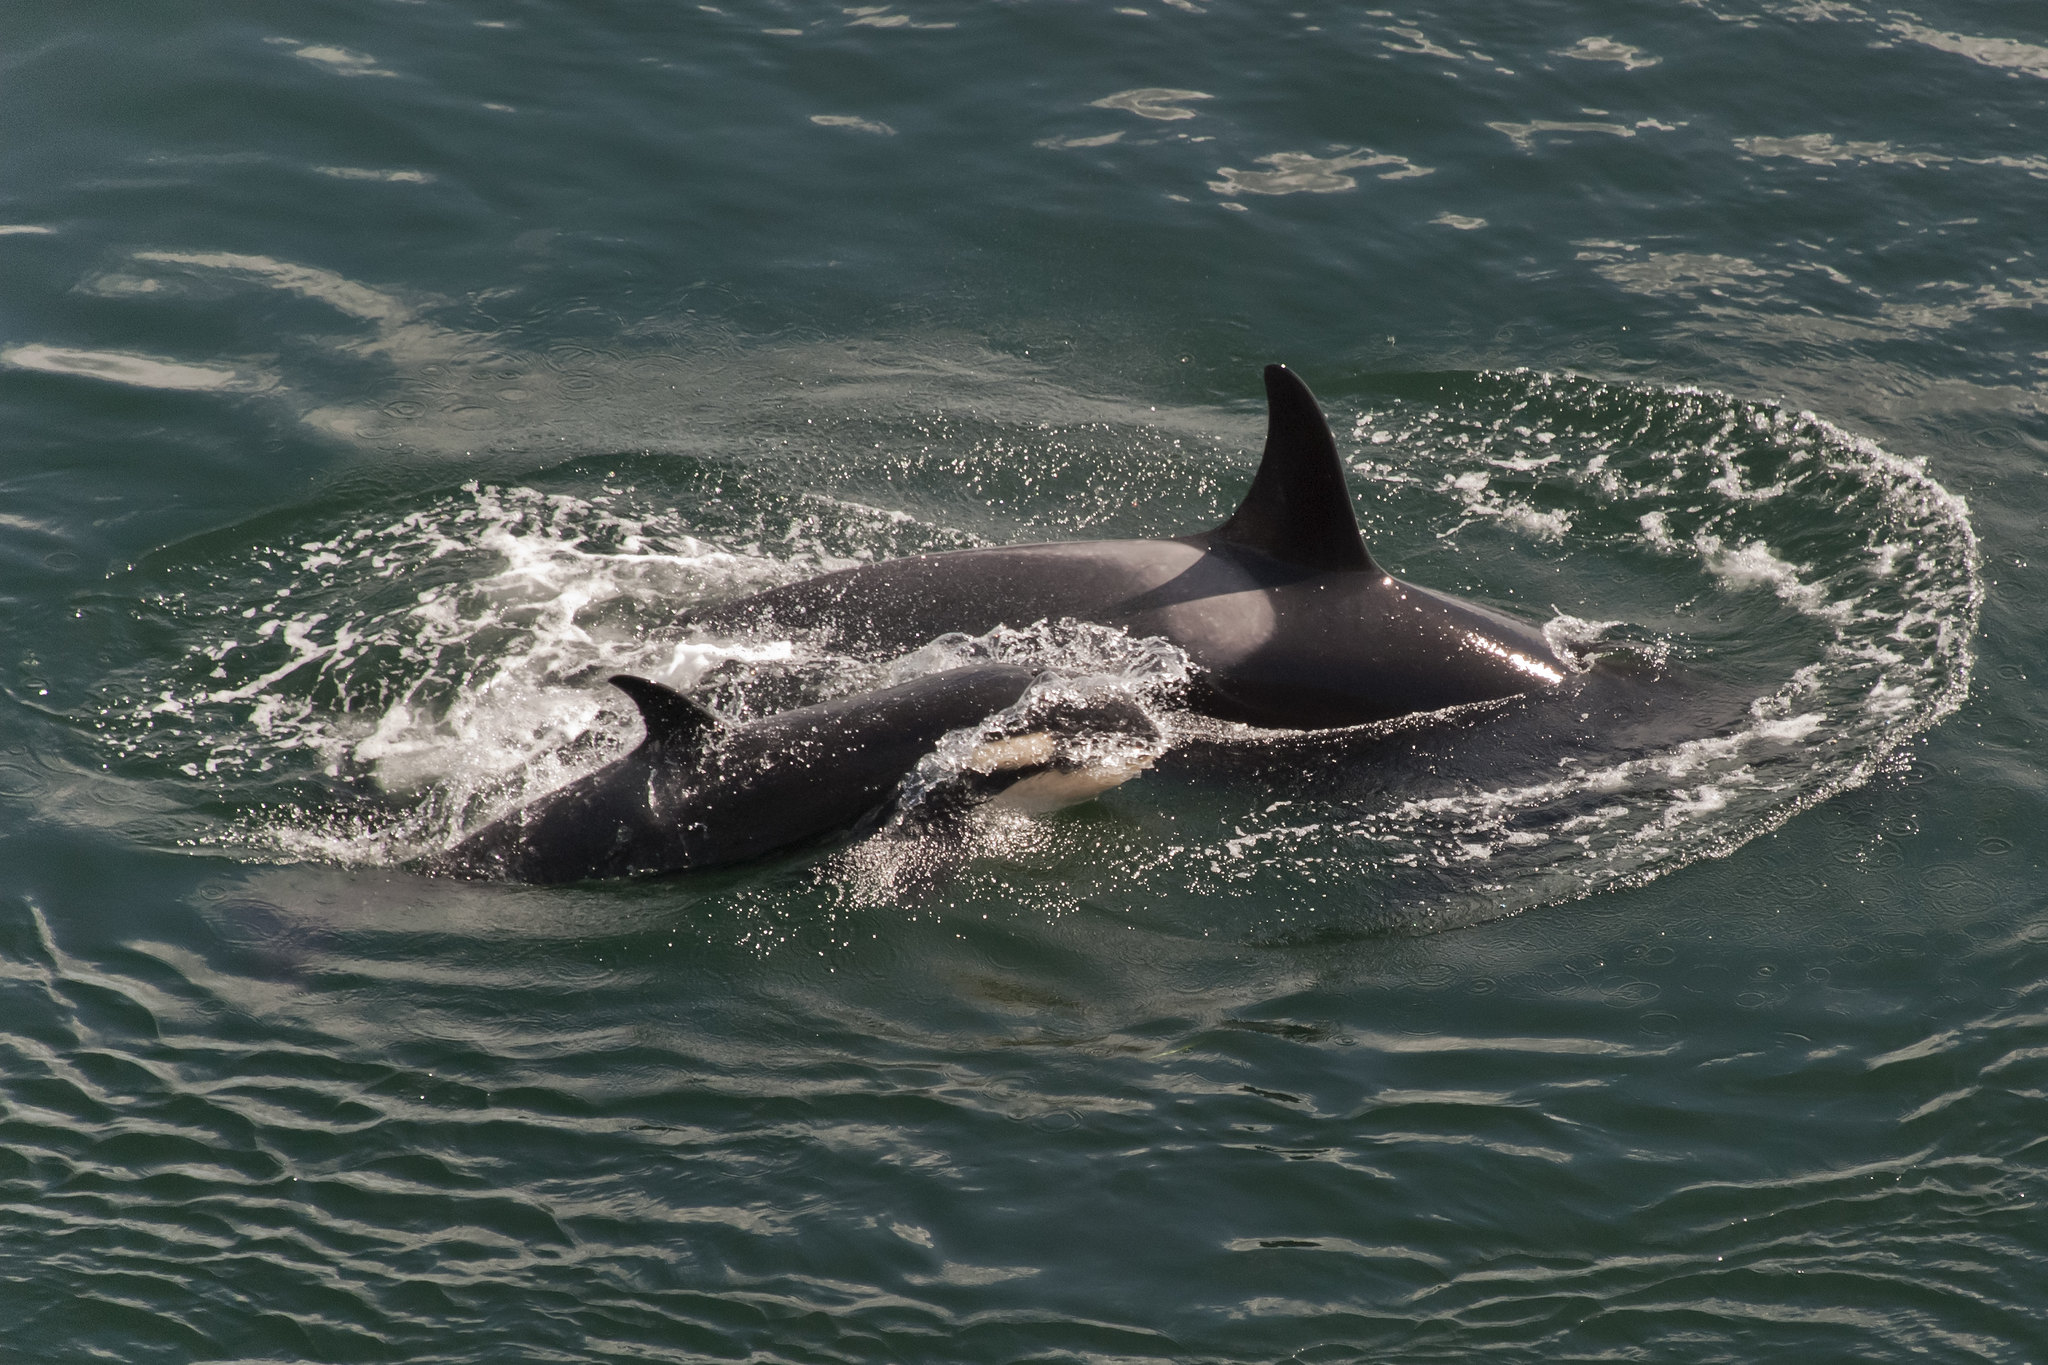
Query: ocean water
x: 377, y: 378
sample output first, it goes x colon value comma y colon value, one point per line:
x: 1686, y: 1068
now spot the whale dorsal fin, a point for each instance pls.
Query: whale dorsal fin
x: 673, y: 721
x: 1298, y: 509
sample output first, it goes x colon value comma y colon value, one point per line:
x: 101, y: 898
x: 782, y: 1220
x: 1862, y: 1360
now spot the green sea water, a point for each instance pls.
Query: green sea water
x: 378, y: 377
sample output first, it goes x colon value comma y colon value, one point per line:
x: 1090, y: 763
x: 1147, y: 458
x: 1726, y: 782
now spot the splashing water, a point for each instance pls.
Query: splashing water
x: 1767, y: 608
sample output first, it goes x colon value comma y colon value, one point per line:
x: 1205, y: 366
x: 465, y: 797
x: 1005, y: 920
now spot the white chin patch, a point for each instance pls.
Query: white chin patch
x: 1017, y: 751
x: 1057, y: 790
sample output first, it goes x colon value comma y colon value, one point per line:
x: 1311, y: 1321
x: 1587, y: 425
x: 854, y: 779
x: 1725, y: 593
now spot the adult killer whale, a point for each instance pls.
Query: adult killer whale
x: 1281, y: 610
x: 697, y: 793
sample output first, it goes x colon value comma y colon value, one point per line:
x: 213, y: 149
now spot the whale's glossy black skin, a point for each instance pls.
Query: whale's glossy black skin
x: 696, y: 795
x: 1283, y: 613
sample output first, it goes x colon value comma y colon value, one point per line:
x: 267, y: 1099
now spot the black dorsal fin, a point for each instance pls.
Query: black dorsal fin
x: 1298, y: 509
x: 673, y: 721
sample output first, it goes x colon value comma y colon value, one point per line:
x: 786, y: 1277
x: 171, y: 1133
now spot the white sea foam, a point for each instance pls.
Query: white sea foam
x: 1306, y: 173
x: 128, y: 367
x: 1753, y: 565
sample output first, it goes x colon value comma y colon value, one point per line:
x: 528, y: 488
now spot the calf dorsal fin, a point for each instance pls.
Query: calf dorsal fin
x: 1298, y: 509
x: 673, y: 721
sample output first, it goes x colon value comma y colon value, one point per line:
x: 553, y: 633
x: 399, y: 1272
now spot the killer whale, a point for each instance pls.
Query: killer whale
x: 697, y: 793
x: 1285, y: 617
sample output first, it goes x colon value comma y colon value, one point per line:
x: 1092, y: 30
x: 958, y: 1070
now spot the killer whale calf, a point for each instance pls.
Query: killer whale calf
x: 698, y: 794
x: 1286, y: 619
